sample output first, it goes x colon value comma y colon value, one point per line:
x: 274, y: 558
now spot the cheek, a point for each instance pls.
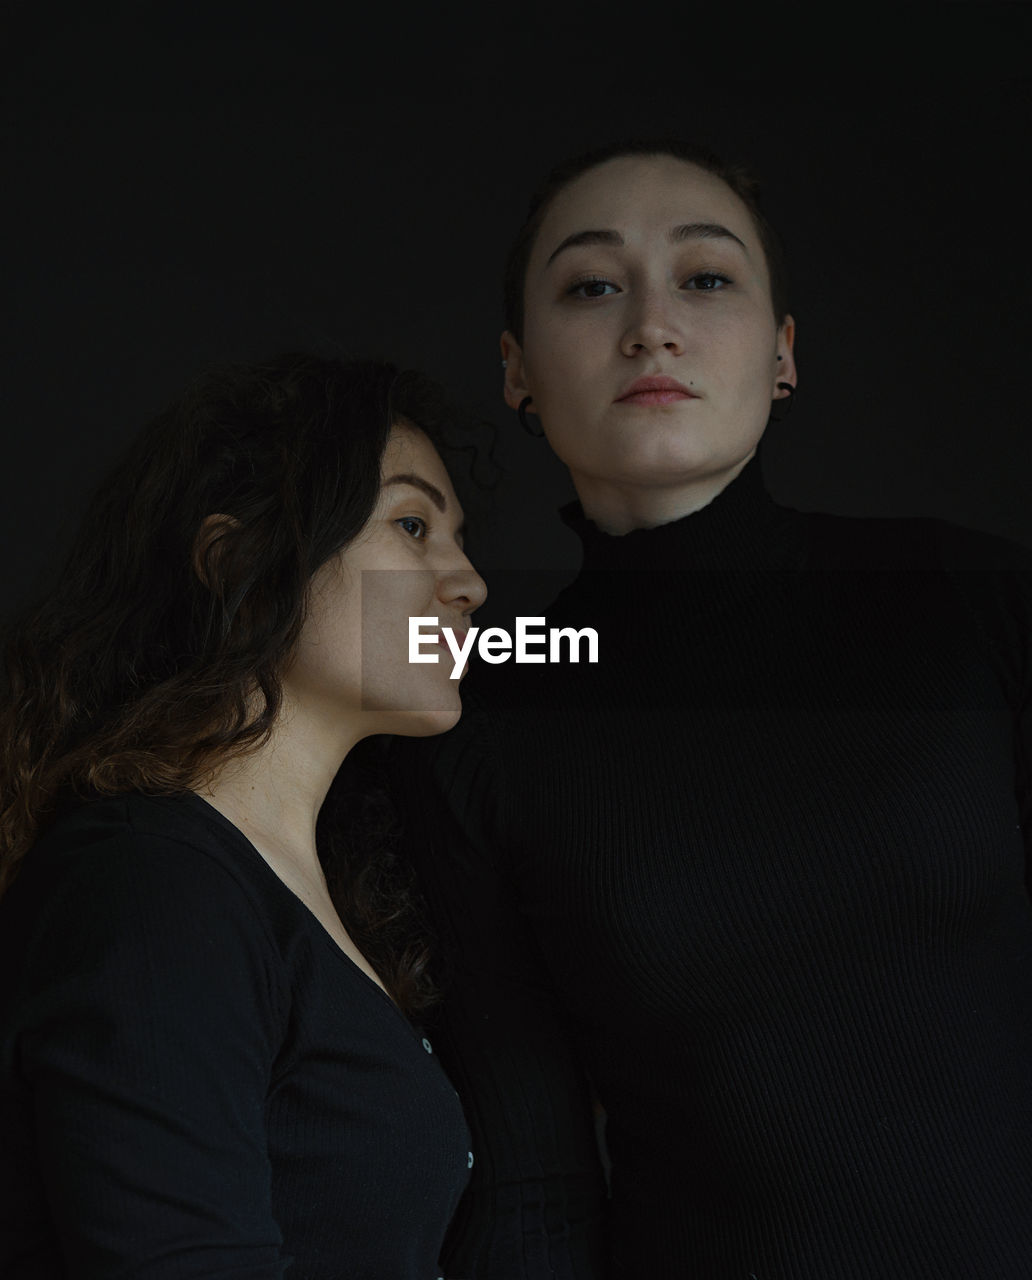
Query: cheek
x: 561, y: 339
x: 561, y: 371
x: 742, y: 356
x: 327, y: 662
x: 389, y: 598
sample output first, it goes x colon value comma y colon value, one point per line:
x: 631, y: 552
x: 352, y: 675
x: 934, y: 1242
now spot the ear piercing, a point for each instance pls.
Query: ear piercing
x: 786, y: 402
x: 521, y: 412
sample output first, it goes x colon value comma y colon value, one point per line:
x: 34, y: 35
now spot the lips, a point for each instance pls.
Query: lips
x: 655, y: 390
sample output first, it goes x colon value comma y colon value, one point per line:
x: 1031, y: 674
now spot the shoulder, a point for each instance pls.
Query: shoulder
x: 137, y: 844
x: 982, y: 577
x: 131, y: 949
x: 135, y: 879
x: 916, y: 542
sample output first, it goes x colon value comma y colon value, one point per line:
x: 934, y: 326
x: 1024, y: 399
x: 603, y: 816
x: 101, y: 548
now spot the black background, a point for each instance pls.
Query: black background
x: 188, y: 185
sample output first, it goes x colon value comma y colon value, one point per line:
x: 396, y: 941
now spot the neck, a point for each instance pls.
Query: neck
x: 740, y: 528
x: 618, y: 508
x: 274, y: 794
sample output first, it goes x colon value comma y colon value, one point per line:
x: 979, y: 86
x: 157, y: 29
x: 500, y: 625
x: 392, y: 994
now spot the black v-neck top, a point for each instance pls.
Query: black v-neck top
x: 756, y: 881
x: 195, y: 1080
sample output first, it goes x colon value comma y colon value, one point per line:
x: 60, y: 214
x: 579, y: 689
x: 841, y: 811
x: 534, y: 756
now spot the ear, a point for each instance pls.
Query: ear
x: 516, y: 388
x: 212, y: 530
x: 785, y: 369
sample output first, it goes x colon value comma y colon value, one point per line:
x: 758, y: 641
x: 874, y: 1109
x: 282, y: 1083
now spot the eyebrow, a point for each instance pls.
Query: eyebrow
x: 704, y: 231
x: 431, y: 491
x: 687, y: 231
x: 417, y: 482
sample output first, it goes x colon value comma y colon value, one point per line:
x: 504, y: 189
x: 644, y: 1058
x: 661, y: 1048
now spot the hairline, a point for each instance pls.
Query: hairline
x: 543, y: 199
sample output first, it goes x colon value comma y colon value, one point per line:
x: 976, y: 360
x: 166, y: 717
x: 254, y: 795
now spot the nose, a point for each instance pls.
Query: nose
x: 654, y: 323
x: 460, y: 586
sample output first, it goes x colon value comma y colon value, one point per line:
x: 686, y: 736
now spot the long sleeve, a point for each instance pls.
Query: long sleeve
x: 535, y: 1206
x: 141, y: 1024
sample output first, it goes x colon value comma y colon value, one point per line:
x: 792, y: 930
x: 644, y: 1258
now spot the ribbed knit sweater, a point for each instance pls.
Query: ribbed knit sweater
x: 757, y: 881
x: 195, y: 1080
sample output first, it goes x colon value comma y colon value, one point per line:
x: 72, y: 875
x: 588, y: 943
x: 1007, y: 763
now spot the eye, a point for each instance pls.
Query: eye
x: 593, y: 287
x: 707, y: 281
x: 414, y: 526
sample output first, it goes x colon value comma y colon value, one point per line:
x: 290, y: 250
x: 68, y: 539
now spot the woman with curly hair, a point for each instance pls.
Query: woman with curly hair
x: 208, y: 972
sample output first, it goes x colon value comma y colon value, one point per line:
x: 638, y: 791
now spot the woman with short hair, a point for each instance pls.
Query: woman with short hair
x: 756, y: 881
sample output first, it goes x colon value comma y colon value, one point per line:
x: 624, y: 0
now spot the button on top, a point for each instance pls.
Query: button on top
x: 427, y: 1045
x: 469, y: 1159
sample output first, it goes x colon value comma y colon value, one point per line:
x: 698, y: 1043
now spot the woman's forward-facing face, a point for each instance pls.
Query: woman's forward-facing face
x: 650, y: 345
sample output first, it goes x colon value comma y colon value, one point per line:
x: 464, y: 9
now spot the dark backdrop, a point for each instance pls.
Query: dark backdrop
x: 184, y: 187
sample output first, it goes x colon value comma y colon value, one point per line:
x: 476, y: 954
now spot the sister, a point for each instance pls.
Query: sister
x: 757, y: 879
x: 206, y: 1067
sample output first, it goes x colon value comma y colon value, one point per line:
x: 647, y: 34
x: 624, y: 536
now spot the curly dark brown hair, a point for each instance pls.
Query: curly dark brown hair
x: 149, y: 662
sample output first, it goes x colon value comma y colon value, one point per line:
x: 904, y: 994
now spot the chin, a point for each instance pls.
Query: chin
x: 425, y: 721
x: 681, y: 464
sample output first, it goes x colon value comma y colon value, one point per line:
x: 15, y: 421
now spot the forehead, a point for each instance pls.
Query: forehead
x: 410, y: 451
x: 638, y: 195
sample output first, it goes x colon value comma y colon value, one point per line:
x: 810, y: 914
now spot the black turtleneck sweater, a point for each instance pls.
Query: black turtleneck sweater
x: 756, y: 881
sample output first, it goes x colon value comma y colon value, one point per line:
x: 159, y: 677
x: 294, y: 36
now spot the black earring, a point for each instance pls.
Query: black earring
x: 789, y: 391
x: 521, y: 413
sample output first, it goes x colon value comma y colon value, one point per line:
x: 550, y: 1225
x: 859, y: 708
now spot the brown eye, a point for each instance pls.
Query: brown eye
x: 596, y: 287
x: 707, y: 282
x: 414, y: 526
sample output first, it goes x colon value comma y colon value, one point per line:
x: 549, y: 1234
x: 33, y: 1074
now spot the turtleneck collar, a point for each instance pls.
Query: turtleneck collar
x: 741, y: 528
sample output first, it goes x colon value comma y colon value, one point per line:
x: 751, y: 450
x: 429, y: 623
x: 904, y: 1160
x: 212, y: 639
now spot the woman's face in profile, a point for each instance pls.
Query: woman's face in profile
x: 648, y: 268
x: 353, y: 656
